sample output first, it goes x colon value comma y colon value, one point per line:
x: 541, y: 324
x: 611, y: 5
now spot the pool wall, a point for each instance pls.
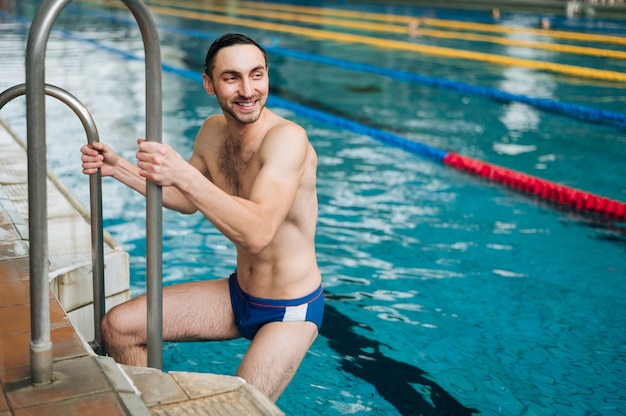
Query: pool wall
x: 69, y: 244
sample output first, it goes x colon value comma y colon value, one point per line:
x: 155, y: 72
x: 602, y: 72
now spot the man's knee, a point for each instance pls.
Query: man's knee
x: 124, y: 335
x: 108, y: 326
x: 118, y: 323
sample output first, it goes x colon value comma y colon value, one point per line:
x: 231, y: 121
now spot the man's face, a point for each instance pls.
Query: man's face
x: 240, y: 82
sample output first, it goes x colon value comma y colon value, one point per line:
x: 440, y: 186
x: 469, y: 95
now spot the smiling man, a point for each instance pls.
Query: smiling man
x: 253, y: 175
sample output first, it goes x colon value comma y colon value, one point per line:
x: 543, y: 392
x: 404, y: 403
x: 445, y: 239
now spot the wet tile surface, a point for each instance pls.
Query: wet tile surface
x: 72, y: 378
x: 80, y: 384
x: 14, y: 292
x: 99, y: 404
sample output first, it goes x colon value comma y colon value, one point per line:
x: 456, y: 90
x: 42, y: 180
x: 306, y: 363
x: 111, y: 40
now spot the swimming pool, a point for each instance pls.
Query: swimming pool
x: 447, y: 294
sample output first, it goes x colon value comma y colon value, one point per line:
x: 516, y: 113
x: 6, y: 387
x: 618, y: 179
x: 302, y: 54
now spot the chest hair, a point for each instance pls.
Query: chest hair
x: 233, y: 163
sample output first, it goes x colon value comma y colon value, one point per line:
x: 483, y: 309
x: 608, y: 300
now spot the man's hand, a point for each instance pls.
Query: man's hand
x: 98, y: 155
x: 159, y: 163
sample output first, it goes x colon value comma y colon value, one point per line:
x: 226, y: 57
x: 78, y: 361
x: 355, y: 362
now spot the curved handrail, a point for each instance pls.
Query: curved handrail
x: 95, y: 198
x: 154, y: 203
x: 40, y: 345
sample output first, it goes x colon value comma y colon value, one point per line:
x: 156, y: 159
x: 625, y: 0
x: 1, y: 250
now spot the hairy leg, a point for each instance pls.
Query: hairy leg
x: 191, y: 311
x: 275, y: 355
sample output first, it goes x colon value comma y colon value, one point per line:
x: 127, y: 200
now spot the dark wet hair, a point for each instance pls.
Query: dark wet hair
x: 229, y: 39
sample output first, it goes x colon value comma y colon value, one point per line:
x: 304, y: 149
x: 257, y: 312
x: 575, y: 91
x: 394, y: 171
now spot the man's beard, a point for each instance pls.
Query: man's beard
x: 245, y: 118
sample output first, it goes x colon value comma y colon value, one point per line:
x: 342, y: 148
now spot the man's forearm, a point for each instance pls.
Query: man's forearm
x: 128, y: 174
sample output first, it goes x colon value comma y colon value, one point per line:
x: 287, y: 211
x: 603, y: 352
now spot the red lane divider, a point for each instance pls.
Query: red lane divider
x: 573, y: 198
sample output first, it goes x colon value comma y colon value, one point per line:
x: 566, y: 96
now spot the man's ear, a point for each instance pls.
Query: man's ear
x: 208, y: 84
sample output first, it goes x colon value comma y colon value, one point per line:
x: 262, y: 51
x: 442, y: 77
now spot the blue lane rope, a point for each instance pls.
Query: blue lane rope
x: 581, y: 201
x: 577, y: 111
x: 574, y: 110
x: 420, y: 149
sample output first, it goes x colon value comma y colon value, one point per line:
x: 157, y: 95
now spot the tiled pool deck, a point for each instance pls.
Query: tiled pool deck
x: 84, y: 383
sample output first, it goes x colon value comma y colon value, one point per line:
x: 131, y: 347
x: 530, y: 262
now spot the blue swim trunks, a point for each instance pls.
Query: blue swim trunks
x: 252, y: 313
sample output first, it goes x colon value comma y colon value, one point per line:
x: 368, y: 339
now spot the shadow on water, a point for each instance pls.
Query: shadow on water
x: 397, y: 382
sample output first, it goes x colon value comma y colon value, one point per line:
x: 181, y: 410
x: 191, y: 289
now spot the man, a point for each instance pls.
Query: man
x: 253, y: 175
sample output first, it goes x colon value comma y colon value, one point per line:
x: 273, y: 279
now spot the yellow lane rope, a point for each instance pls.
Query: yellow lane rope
x: 558, y: 34
x: 392, y: 44
x: 295, y: 16
x: 455, y: 24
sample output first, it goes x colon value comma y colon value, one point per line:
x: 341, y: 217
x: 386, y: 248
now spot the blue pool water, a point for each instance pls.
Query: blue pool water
x: 446, y: 294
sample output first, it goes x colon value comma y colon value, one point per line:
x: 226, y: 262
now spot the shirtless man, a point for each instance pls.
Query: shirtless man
x: 253, y: 175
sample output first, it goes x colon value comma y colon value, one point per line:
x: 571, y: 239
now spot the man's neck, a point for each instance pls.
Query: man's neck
x: 247, y: 133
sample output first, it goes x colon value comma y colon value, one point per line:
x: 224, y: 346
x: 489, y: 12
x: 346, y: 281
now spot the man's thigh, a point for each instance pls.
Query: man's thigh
x: 275, y: 354
x: 198, y: 311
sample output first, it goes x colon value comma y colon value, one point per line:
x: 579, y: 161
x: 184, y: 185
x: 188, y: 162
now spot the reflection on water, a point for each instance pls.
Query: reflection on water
x: 408, y: 388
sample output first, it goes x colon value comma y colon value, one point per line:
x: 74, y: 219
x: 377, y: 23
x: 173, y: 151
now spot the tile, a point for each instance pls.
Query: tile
x: 9, y: 233
x: 20, y: 268
x: 94, y: 405
x: 116, y: 299
x: 118, y: 378
x: 156, y: 387
x: 14, y: 319
x: 58, y: 317
x: 65, y: 234
x: 75, y: 287
x: 258, y: 401
x: 14, y: 351
x: 67, y: 344
x: 12, y: 171
x: 18, y: 373
x: 72, y: 379
x: 5, y: 218
x: 63, y: 262
x: 198, y: 385
x: 3, y: 195
x: 16, y: 191
x: 83, y: 320
x: 14, y: 269
x: 11, y: 213
x: 240, y: 402
x: 60, y: 207
x: 134, y: 405
x: 21, y: 208
x: 22, y: 230
x: 18, y: 195
x: 116, y: 272
x: 14, y: 292
x: 13, y: 249
x: 3, y: 404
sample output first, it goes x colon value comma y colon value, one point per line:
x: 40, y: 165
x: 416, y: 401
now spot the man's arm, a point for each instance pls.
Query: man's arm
x: 249, y: 222
x: 101, y: 156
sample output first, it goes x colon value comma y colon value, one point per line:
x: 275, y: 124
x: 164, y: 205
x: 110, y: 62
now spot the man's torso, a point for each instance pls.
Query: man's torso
x: 287, y: 267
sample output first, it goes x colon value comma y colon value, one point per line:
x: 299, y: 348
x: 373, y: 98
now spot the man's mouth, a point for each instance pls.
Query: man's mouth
x: 246, y: 104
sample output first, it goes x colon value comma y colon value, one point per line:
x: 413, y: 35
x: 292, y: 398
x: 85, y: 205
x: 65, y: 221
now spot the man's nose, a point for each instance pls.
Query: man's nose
x: 245, y: 89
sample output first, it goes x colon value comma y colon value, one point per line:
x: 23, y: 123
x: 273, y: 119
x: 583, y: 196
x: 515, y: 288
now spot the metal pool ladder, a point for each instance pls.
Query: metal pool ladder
x: 35, y: 89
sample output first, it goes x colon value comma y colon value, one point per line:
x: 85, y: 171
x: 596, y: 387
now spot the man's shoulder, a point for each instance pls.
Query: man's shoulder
x: 286, y: 140
x: 283, y: 128
x: 211, y: 128
x: 214, y: 121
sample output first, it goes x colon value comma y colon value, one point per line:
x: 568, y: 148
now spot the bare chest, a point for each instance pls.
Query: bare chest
x: 236, y: 169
